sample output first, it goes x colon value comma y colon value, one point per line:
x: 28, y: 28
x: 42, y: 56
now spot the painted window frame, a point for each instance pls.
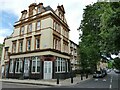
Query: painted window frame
x: 56, y: 43
x: 11, y: 66
x: 28, y: 47
x: 14, y: 44
x: 18, y: 66
x: 22, y: 30
x: 21, y: 46
x: 60, y: 65
x: 37, y: 42
x: 38, y: 25
x: 36, y: 59
x: 30, y: 28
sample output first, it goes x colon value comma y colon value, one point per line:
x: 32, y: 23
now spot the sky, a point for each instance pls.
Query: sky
x: 10, y: 12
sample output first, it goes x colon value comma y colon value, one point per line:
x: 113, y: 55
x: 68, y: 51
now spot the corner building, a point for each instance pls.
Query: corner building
x: 39, y: 47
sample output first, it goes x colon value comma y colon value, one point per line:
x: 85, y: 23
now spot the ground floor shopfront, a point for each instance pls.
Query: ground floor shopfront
x: 38, y: 67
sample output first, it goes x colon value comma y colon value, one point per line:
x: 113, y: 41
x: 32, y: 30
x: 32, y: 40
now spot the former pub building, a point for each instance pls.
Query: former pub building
x: 39, y: 47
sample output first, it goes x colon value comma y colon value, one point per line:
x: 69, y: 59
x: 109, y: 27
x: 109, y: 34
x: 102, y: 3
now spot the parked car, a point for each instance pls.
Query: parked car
x: 116, y: 71
x: 99, y: 74
x: 108, y: 70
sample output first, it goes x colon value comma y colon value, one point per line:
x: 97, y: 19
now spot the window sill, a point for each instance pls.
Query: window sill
x: 10, y: 72
x: 35, y: 72
x: 18, y: 72
x: 61, y: 72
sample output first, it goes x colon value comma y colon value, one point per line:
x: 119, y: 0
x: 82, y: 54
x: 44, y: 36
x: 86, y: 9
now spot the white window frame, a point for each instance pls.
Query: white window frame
x: 11, y: 66
x: 28, y: 44
x: 30, y: 28
x: 19, y: 66
x: 21, y: 46
x: 38, y: 25
x: 39, y: 9
x: 14, y: 47
x: 37, y: 40
x: 22, y: 30
x: 36, y: 59
x: 61, y: 63
x: 67, y: 66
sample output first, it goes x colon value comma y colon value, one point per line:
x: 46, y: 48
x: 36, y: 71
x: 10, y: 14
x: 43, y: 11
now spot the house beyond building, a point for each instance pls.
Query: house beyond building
x: 39, y: 47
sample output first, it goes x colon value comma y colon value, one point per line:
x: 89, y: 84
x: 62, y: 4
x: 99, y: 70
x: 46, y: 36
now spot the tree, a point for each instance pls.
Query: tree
x: 117, y: 63
x: 1, y: 47
x: 100, y: 32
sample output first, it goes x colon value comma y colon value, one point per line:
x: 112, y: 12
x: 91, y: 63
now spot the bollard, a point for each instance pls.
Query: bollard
x: 58, y: 79
x: 71, y: 79
x: 81, y: 77
x: 86, y: 75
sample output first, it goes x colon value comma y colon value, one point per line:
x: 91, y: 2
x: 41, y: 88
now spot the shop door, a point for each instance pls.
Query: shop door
x: 47, y: 69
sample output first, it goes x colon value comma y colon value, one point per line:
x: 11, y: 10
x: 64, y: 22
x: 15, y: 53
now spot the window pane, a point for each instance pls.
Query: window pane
x: 11, y: 66
x: 37, y: 43
x: 30, y: 28
x: 38, y: 25
x: 17, y: 65
x: 28, y: 44
x: 22, y: 30
x: 33, y: 66
x: 38, y: 65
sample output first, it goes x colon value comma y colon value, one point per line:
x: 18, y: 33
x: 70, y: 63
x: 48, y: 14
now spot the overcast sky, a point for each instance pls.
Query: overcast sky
x: 10, y: 11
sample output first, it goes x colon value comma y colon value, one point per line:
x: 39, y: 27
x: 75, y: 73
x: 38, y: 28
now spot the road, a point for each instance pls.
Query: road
x: 110, y: 82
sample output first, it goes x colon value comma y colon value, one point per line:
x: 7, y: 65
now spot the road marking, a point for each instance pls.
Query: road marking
x: 96, y: 79
x: 111, y: 80
x: 110, y: 86
x: 104, y: 80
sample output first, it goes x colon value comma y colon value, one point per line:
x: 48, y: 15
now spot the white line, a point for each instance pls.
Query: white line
x: 110, y: 86
x: 111, y: 80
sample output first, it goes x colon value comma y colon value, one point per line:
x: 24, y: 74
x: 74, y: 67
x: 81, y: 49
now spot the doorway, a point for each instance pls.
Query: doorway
x: 47, y: 69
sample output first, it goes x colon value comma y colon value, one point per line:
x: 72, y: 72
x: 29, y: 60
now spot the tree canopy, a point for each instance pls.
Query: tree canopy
x: 100, y: 32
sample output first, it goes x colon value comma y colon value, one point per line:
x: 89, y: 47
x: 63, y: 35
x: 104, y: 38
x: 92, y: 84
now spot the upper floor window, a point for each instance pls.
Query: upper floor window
x: 14, y: 47
x: 57, y: 43
x: 6, y: 53
x: 20, y: 45
x: 30, y: 28
x: 28, y: 44
x: 38, y: 25
x: 23, y: 15
x: 22, y: 30
x: 57, y: 27
x: 39, y: 9
x: 65, y: 46
x: 37, y: 42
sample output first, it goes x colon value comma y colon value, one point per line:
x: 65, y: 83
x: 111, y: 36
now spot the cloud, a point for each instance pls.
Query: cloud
x: 73, y: 8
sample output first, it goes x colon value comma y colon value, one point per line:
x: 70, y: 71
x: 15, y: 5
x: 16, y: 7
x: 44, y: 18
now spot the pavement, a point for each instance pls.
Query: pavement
x: 51, y: 82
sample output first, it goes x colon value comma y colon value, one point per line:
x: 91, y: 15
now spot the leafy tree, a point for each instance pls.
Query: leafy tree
x: 100, y: 32
x: 1, y: 45
x: 117, y: 63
